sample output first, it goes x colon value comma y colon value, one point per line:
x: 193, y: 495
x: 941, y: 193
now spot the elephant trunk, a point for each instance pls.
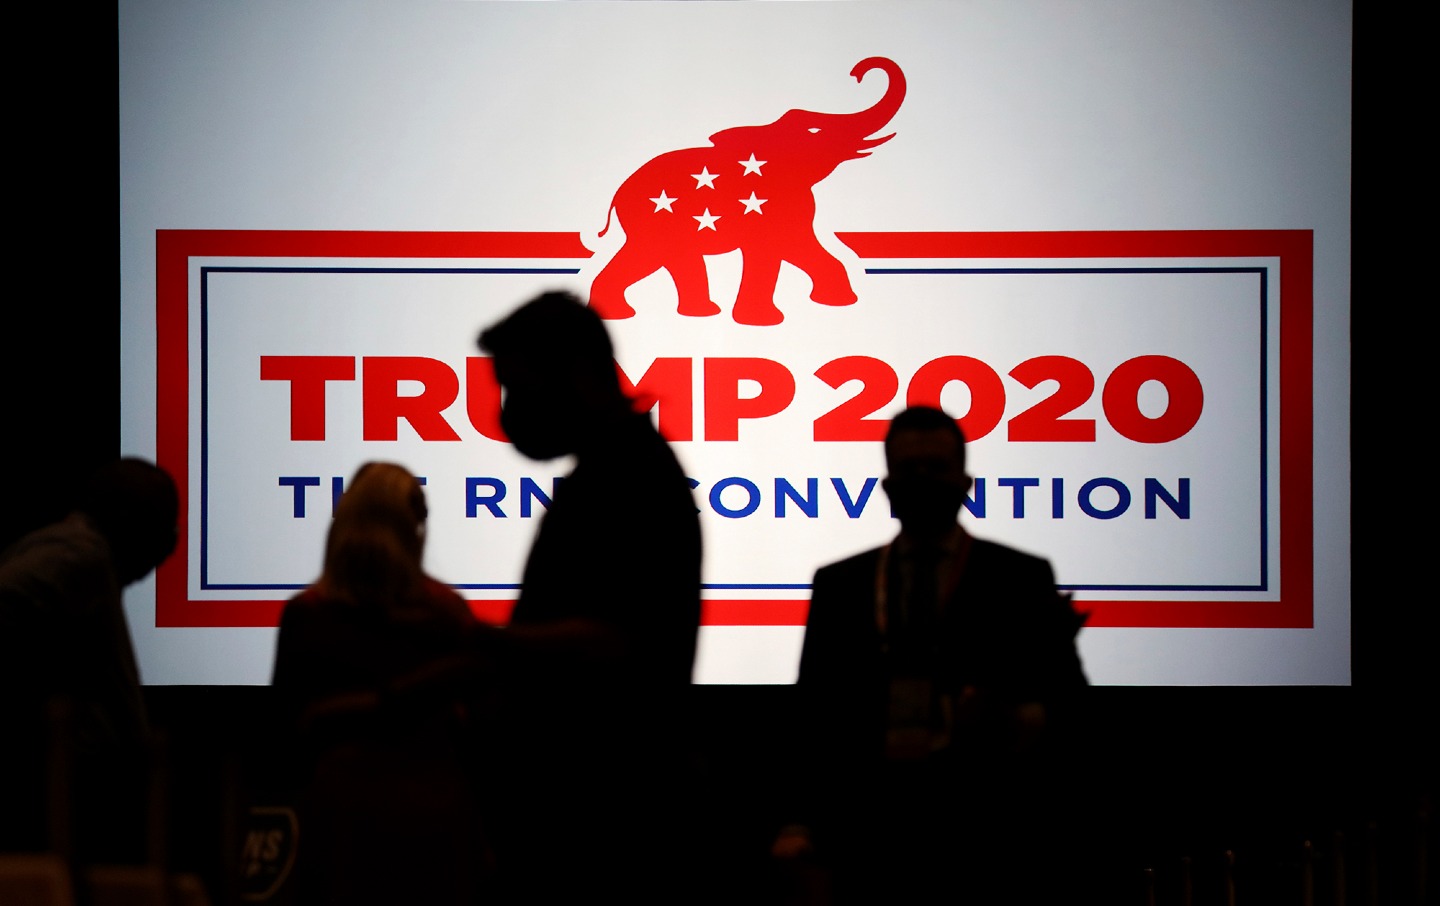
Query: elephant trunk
x: 871, y: 120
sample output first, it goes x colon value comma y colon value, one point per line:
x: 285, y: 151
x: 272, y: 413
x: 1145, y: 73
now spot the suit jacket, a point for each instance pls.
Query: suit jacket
x: 1004, y: 631
x: 970, y: 817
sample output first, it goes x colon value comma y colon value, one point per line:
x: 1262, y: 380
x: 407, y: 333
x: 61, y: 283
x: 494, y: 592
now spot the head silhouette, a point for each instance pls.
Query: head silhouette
x: 925, y: 464
x: 377, y: 537
x: 554, y: 360
x: 135, y: 506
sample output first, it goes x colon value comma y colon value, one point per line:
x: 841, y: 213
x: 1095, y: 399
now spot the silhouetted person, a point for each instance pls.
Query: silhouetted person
x: 68, y: 669
x: 931, y: 671
x: 386, y: 810
x: 598, y: 654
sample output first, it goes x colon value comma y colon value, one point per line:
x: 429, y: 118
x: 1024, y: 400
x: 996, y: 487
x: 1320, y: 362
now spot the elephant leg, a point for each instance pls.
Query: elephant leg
x: 692, y: 284
x: 830, y: 285
x: 607, y: 293
x: 755, y: 303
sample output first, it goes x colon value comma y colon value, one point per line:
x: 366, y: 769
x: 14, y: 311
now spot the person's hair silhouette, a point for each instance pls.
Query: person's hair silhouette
x: 134, y: 504
x: 373, y: 549
x: 554, y: 358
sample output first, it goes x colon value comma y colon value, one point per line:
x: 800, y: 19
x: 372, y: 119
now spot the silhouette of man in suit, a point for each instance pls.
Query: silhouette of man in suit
x: 931, y: 672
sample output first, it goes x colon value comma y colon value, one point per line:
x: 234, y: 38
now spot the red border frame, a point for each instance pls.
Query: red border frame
x: 1294, y: 248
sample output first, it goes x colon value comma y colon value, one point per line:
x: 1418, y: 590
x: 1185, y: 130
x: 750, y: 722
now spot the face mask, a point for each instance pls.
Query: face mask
x: 925, y: 506
x: 537, y: 431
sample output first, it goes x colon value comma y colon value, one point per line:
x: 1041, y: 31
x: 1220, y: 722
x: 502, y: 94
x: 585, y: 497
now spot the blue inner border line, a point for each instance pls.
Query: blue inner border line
x: 1262, y: 272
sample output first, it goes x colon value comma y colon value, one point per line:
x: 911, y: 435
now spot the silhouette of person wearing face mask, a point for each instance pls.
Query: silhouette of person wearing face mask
x: 594, y: 666
x: 931, y: 671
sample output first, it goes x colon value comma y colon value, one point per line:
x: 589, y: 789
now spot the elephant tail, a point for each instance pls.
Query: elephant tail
x: 608, y: 213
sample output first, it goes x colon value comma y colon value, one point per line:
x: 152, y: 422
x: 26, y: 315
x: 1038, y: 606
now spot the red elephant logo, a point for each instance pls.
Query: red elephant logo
x: 750, y: 190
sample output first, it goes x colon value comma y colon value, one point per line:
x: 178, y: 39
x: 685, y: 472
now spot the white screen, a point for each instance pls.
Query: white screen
x: 1152, y: 198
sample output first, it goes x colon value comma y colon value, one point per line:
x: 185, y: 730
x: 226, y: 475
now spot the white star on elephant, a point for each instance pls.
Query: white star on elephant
x: 664, y: 201
x: 704, y: 178
x: 707, y: 220
x: 753, y: 204
x: 752, y: 165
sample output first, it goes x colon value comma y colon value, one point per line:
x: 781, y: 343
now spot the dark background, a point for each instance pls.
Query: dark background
x: 1170, y: 772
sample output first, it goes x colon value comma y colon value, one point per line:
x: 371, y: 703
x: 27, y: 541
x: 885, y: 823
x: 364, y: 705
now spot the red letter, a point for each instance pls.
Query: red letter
x: 1122, y: 391
x: 668, y: 384
x: 384, y: 406
x: 307, y: 375
x: 482, y: 397
x: 723, y: 406
x: 1042, y: 421
x: 847, y: 421
x: 987, y: 393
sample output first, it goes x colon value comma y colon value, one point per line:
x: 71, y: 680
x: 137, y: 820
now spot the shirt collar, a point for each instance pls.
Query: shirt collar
x: 949, y: 545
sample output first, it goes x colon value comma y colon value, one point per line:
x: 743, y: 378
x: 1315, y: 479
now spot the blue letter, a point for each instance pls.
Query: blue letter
x: 1153, y: 489
x: 473, y: 500
x: 809, y: 504
x: 1057, y: 498
x: 747, y: 509
x: 855, y: 508
x: 976, y: 506
x: 299, y: 483
x: 1089, y: 509
x: 1019, y: 485
x: 529, y: 490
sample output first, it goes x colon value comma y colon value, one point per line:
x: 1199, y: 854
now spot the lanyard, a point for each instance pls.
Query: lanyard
x: 882, y: 578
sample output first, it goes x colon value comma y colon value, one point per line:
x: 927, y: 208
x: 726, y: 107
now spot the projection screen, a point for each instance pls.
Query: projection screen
x: 1112, y: 238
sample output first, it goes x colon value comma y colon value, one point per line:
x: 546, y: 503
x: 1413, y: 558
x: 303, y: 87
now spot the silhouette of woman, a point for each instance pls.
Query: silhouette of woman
x: 366, y: 672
